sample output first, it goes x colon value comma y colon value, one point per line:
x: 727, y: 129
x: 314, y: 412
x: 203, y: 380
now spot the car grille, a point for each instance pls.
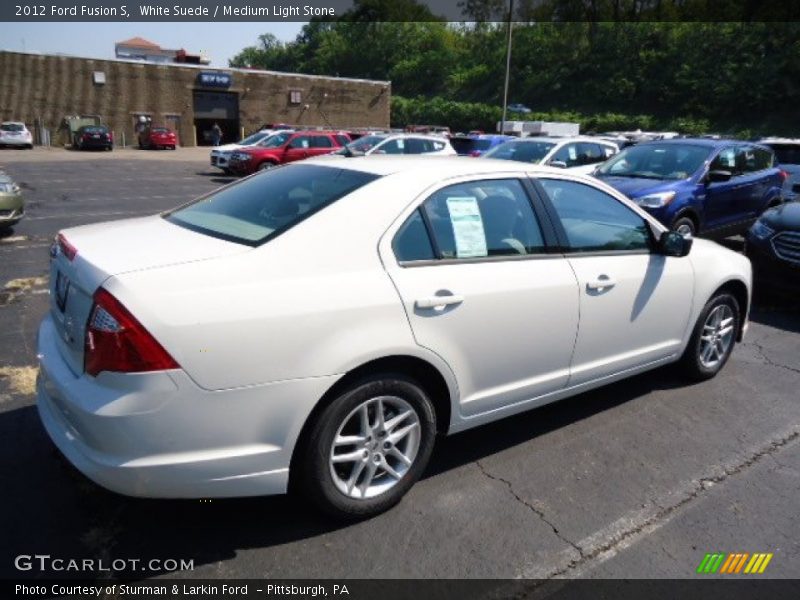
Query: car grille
x: 787, y: 245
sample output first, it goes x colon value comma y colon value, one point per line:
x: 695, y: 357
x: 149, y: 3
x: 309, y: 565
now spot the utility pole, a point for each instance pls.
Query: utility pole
x: 508, y: 66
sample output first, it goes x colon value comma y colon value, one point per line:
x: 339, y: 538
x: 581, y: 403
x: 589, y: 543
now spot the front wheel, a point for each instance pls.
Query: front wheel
x: 685, y: 226
x: 713, y: 338
x: 368, y: 447
x: 265, y: 165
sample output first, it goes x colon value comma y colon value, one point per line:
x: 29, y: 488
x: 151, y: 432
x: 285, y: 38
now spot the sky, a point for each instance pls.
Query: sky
x: 221, y: 41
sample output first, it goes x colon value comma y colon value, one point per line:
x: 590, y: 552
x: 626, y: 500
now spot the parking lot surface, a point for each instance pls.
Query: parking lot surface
x: 637, y: 479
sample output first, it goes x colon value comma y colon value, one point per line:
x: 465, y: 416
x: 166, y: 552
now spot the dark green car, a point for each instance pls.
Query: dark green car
x: 12, y: 205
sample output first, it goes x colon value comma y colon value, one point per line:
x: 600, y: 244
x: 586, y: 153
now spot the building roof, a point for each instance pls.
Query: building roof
x: 139, y: 42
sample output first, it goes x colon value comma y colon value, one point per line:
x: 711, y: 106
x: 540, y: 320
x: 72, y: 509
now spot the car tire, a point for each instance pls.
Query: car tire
x: 713, y: 338
x: 372, y: 489
x: 266, y: 165
x: 684, y: 225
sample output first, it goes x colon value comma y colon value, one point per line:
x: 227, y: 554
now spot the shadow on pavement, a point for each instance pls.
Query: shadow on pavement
x: 48, y: 507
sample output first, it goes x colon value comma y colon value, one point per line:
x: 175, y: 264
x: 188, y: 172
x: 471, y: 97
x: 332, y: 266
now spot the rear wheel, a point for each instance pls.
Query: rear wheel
x: 713, y: 338
x: 368, y: 447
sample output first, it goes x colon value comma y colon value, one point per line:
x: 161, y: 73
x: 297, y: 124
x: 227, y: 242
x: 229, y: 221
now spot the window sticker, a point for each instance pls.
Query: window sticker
x: 572, y: 150
x: 401, y: 144
x: 468, y: 232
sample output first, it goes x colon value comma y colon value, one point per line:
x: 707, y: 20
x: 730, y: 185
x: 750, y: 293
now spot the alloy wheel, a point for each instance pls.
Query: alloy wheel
x: 717, y: 336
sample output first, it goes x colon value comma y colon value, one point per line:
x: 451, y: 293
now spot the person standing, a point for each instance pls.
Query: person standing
x: 216, y: 134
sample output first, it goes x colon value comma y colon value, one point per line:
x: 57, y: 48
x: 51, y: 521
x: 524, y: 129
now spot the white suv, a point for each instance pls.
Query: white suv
x: 577, y: 154
x: 14, y: 133
x: 399, y: 143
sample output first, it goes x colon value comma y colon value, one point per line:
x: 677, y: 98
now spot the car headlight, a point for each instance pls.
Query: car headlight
x: 655, y: 200
x: 761, y: 231
x: 9, y: 188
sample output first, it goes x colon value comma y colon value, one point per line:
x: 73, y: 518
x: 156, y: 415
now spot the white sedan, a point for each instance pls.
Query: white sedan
x: 316, y: 325
x: 577, y: 154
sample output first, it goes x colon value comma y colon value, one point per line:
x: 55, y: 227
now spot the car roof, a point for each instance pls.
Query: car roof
x: 316, y: 132
x: 443, y: 166
x: 778, y: 140
x: 560, y: 139
x: 13, y: 123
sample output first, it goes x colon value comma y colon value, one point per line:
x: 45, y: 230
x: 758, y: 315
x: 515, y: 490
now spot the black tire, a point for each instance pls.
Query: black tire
x: 685, y: 223
x: 313, y: 476
x: 691, y: 361
x: 266, y: 165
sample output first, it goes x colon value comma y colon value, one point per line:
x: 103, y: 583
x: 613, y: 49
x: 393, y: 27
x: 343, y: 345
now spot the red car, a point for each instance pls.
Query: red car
x: 285, y: 147
x: 158, y: 137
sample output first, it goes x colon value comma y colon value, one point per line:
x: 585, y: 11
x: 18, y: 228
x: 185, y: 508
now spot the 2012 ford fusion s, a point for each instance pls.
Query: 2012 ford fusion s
x: 313, y: 327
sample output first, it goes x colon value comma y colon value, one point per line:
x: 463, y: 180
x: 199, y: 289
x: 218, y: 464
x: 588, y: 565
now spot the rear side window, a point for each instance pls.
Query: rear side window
x: 300, y: 142
x: 412, y: 241
x: 594, y: 221
x: 321, y: 141
x: 764, y: 159
x: 787, y: 154
x: 259, y: 208
x: 483, y: 218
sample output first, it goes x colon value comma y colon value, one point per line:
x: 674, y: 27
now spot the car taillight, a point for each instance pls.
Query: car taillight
x: 783, y: 174
x: 86, y: 136
x: 66, y: 248
x: 116, y: 341
x: 475, y: 153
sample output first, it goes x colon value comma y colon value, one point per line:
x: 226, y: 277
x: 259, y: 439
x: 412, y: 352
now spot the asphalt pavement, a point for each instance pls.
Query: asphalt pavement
x: 638, y: 479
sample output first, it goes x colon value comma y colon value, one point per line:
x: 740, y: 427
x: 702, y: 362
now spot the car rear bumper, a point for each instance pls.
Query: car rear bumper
x: 15, y: 141
x: 160, y: 435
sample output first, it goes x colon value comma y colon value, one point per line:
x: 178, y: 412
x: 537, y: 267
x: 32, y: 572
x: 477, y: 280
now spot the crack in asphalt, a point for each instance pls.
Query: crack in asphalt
x: 655, y: 520
x: 767, y: 360
x: 537, y: 511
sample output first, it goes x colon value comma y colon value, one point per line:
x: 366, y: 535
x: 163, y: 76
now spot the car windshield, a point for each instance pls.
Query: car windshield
x: 524, y: 151
x: 254, y: 139
x: 274, y: 141
x: 787, y: 154
x: 657, y: 161
x: 12, y: 127
x: 364, y: 144
x: 259, y: 208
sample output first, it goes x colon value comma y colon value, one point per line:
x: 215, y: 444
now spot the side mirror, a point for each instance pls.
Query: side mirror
x: 719, y: 175
x: 672, y: 243
x: 558, y: 163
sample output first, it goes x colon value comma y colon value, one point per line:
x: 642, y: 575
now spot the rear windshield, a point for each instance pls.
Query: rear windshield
x: 12, y: 127
x: 787, y: 154
x: 94, y: 129
x: 259, y: 208
x: 160, y: 130
x: 531, y: 152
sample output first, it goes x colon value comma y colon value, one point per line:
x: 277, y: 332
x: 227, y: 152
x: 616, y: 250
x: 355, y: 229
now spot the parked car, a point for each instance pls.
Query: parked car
x: 12, y: 204
x: 93, y: 136
x: 283, y: 148
x: 773, y: 246
x: 315, y: 326
x: 155, y: 137
x: 519, y: 108
x: 698, y: 186
x: 440, y: 130
x: 399, y: 143
x: 787, y: 154
x: 14, y: 133
x: 579, y: 154
x: 221, y: 155
x: 477, y: 144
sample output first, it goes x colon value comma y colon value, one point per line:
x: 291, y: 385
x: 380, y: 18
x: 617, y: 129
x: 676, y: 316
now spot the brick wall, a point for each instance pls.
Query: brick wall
x: 43, y: 89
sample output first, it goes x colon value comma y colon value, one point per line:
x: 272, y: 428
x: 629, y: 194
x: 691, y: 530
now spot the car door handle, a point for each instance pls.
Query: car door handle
x: 601, y: 283
x: 439, y: 301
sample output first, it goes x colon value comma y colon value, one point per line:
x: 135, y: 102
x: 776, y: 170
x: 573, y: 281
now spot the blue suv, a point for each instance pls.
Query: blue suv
x: 716, y: 188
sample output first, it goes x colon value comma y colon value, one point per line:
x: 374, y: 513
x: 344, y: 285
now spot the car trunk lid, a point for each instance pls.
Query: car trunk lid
x: 104, y: 250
